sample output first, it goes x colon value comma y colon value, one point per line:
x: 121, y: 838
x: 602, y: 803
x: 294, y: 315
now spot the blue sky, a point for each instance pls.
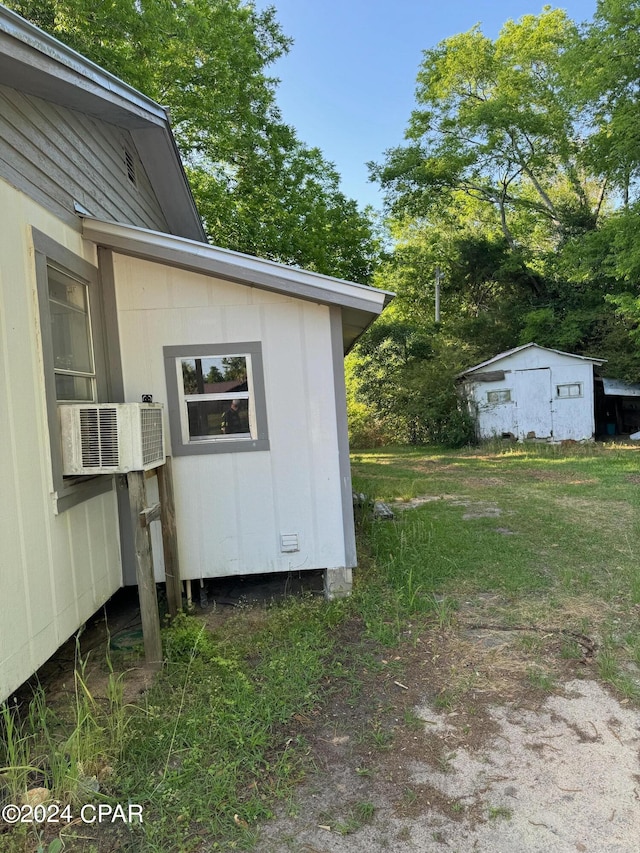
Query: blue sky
x: 347, y: 84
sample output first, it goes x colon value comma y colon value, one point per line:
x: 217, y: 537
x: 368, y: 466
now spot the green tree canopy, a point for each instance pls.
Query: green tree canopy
x: 496, y: 121
x: 518, y: 180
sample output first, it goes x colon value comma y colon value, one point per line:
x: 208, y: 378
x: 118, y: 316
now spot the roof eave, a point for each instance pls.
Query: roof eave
x: 466, y: 373
x: 361, y: 304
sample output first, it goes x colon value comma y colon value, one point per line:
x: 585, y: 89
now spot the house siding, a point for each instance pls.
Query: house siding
x: 58, y: 156
x: 56, y: 570
x: 231, y: 508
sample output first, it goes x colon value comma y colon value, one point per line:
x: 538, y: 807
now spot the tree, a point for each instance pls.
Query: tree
x: 404, y: 374
x: 496, y: 122
x: 259, y: 189
x: 605, y: 65
x: 511, y: 183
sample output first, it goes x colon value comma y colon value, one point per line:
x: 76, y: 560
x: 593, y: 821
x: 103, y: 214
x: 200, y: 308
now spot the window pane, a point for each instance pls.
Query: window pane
x: 502, y: 396
x: 214, y: 374
x: 69, y: 324
x: 573, y: 390
x: 73, y: 387
x: 218, y: 418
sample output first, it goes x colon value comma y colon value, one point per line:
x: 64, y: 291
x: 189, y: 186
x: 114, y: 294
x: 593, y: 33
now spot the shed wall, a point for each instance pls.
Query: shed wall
x: 58, y: 156
x: 232, y: 508
x: 535, y: 406
x: 55, y: 570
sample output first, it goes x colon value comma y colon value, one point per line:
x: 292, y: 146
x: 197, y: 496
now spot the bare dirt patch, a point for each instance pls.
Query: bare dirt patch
x: 473, y: 508
x: 456, y: 741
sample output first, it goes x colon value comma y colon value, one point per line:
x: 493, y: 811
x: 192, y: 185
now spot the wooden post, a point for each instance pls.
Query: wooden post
x: 144, y: 568
x: 169, y: 538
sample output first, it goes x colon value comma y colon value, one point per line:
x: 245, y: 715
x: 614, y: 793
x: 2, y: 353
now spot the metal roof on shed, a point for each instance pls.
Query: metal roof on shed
x: 618, y: 388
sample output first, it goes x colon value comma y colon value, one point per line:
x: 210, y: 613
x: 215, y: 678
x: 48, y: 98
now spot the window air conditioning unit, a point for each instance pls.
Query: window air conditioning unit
x: 111, y: 438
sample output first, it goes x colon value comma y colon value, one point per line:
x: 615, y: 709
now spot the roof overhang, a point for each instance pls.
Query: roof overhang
x: 496, y: 358
x: 34, y: 62
x: 618, y: 388
x: 360, y: 304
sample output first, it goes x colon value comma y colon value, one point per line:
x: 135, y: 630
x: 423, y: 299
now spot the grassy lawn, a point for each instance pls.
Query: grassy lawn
x: 529, y: 538
x: 553, y: 530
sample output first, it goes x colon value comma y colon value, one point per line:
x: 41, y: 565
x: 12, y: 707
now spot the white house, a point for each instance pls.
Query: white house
x: 532, y: 392
x: 108, y: 292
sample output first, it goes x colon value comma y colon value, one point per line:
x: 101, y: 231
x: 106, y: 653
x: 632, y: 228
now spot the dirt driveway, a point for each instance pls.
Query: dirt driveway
x: 468, y: 738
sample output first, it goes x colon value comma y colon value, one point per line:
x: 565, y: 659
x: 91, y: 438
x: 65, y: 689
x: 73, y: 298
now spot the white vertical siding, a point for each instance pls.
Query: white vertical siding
x: 573, y: 417
x: 531, y: 376
x: 55, y: 570
x: 232, y: 508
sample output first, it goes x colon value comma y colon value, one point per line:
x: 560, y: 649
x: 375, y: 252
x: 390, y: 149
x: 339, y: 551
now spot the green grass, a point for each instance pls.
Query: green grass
x: 541, y: 526
x: 213, y: 746
x: 571, y: 521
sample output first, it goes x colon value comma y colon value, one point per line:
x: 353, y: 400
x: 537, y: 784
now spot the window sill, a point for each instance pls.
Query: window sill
x: 81, y: 489
x: 224, y: 445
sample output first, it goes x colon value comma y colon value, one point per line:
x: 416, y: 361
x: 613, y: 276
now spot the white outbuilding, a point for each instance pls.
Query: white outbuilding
x: 532, y: 392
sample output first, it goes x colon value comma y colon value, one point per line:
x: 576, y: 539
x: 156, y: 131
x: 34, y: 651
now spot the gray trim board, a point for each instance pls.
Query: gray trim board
x: 340, y: 391
x: 26, y: 45
x: 156, y: 148
x: 174, y: 401
x: 115, y: 379
x: 228, y: 265
x: 69, y: 491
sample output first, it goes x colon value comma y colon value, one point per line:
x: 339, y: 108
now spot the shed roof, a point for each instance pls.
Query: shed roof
x: 360, y: 303
x: 618, y: 388
x: 34, y: 62
x: 502, y: 355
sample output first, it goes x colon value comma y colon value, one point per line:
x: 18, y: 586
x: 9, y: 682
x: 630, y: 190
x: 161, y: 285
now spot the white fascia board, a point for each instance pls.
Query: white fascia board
x: 235, y: 266
x: 502, y: 355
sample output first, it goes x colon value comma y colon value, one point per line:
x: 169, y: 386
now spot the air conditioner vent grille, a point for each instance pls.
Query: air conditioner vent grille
x: 151, y: 429
x: 99, y: 433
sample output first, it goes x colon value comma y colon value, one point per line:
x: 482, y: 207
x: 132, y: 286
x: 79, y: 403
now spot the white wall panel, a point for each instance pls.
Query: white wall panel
x: 232, y: 508
x: 569, y: 418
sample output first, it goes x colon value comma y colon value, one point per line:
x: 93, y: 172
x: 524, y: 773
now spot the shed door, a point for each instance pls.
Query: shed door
x: 533, y: 399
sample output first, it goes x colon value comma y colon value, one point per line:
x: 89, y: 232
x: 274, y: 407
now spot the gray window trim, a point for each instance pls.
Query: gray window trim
x: 69, y: 491
x: 174, y: 402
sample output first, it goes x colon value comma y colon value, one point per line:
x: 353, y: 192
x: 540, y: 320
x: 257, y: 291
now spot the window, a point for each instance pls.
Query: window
x: 72, y: 351
x: 216, y: 394
x: 71, y: 342
x: 502, y: 396
x: 216, y: 398
x: 573, y: 389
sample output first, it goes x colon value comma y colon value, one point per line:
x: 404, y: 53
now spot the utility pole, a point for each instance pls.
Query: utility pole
x: 439, y: 277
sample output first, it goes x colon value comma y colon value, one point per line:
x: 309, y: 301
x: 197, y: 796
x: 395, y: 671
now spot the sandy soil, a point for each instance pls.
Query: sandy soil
x: 503, y: 767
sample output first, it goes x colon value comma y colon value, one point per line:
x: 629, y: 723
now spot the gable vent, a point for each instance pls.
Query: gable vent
x: 130, y: 164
